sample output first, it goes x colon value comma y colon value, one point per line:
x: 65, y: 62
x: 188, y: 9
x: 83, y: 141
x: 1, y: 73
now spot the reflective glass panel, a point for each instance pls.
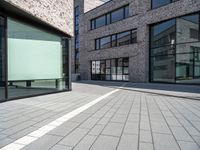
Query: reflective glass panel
x: 2, y: 58
x: 35, y: 60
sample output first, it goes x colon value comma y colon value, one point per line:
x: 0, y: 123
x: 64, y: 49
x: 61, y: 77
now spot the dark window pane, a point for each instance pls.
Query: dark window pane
x: 163, y: 34
x: 108, y: 19
x: 2, y: 58
x: 126, y: 11
x: 93, y: 67
x: 163, y: 68
x: 97, y: 44
x: 184, y: 66
x: 114, y: 42
x: 134, y: 36
x: 103, y: 67
x: 188, y: 29
x: 158, y: 3
x: 124, y: 38
x: 93, y: 24
x: 105, y: 42
x: 77, y: 11
x: 101, y: 21
x: 117, y: 15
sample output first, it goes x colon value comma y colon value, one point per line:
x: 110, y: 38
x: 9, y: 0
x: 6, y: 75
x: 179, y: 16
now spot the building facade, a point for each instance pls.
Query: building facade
x: 140, y: 41
x: 34, y: 48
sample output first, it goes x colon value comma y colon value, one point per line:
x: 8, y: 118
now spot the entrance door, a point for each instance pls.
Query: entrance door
x: 2, y: 59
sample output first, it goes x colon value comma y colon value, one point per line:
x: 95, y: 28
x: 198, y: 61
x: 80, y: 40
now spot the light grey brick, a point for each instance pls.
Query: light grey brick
x: 188, y: 145
x: 64, y: 129
x: 164, y: 142
x: 45, y: 142
x: 145, y: 136
x: 61, y: 147
x: 146, y: 146
x: 85, y: 143
x: 113, y: 129
x: 74, y: 137
x: 128, y: 142
x: 96, y: 130
x: 105, y: 142
x: 131, y: 128
x: 181, y: 134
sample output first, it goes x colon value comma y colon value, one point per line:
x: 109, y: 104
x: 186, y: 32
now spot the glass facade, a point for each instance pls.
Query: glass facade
x: 77, y: 53
x: 33, y: 61
x: 159, y: 3
x: 2, y: 59
x: 175, y: 50
x: 110, y: 69
x: 119, y: 39
x: 111, y: 17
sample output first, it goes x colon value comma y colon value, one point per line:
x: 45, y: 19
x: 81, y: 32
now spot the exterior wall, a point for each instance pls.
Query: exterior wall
x: 141, y: 16
x: 85, y: 6
x: 58, y: 13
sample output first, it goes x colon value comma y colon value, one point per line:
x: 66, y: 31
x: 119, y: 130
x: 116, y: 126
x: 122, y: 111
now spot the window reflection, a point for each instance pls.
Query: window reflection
x: 175, y: 50
x: 110, y: 69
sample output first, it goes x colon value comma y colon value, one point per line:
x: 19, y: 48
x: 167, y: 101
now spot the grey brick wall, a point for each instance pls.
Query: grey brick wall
x: 58, y: 13
x: 141, y: 16
x: 85, y: 6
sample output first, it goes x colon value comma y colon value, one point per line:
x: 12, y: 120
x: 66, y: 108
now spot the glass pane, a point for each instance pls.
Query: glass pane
x: 2, y: 58
x: 163, y: 34
x: 126, y: 11
x: 124, y: 38
x: 197, y: 63
x: 117, y: 15
x: 187, y: 47
x: 41, y: 60
x: 134, y: 36
x: 164, y: 50
x: 101, y: 21
x: 105, y: 42
x: 93, y: 67
x: 93, y: 24
x: 114, y: 42
x: 108, y: 19
x: 188, y: 29
x: 158, y: 3
x: 103, y: 67
x: 97, y: 44
x: 119, y: 66
x: 184, y: 66
x: 163, y: 69
x: 113, y: 66
x: 97, y: 67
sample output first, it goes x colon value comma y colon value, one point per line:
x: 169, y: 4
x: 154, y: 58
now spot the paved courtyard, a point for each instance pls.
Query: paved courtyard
x: 103, y: 116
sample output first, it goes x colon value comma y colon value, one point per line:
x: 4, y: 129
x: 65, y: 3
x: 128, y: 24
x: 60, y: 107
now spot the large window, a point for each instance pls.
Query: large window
x: 33, y: 60
x: 2, y: 58
x: 77, y: 41
x: 110, y: 69
x: 119, y: 39
x: 111, y: 17
x: 175, y: 49
x: 159, y: 3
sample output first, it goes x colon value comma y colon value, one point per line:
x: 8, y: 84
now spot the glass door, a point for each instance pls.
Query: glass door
x: 2, y: 59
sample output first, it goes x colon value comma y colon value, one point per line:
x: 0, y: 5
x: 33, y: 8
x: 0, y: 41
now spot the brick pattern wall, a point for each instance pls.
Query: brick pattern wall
x: 141, y: 16
x: 58, y: 13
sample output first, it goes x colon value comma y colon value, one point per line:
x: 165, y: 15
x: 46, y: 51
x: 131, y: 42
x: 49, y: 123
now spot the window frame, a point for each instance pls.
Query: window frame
x: 93, y: 21
x: 116, y: 41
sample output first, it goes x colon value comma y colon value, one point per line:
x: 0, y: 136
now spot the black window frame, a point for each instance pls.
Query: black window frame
x: 103, y: 76
x: 93, y: 21
x: 133, y: 40
x: 171, y: 1
x: 176, y: 53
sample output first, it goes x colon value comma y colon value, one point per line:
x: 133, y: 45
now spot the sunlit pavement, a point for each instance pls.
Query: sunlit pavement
x: 96, y: 116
